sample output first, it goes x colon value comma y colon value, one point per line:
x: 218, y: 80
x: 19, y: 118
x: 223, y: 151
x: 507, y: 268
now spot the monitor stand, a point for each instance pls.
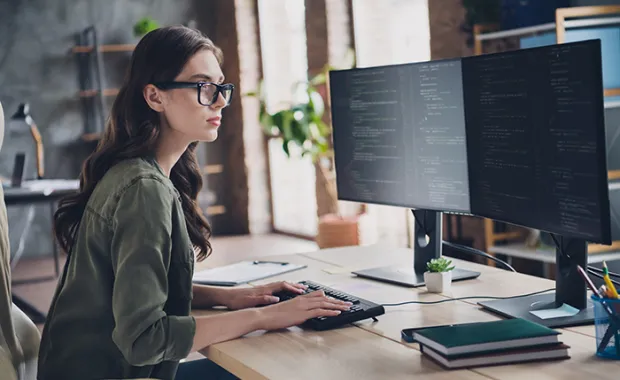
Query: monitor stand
x: 570, y: 290
x: 427, y: 246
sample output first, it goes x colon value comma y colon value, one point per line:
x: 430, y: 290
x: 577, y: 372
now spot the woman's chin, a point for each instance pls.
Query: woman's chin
x: 209, y: 135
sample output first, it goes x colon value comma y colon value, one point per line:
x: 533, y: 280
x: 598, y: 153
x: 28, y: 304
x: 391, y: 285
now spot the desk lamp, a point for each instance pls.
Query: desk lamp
x: 23, y: 114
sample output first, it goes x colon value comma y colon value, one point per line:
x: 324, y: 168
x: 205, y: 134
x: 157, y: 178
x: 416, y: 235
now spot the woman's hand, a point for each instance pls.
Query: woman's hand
x: 243, y: 298
x: 299, y: 309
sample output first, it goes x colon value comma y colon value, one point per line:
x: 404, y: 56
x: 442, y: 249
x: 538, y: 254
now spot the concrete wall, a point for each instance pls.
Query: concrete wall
x: 36, y: 66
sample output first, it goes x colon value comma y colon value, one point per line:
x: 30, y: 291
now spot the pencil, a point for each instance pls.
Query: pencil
x: 610, y: 285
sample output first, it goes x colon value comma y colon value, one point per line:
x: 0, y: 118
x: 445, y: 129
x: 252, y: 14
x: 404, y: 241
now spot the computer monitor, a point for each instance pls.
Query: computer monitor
x: 399, y: 139
x: 517, y: 136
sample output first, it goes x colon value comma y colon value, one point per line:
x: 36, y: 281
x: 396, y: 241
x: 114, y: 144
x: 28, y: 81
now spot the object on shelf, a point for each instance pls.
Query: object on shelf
x: 23, y: 116
x: 144, y: 26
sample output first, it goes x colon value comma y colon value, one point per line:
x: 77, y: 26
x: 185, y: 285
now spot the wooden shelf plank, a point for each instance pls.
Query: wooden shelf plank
x: 546, y: 254
x: 600, y: 248
x: 216, y: 210
x: 611, y: 92
x: 105, y: 48
x: 90, y: 137
x: 213, y: 169
x: 92, y: 93
x: 548, y: 27
x: 613, y: 174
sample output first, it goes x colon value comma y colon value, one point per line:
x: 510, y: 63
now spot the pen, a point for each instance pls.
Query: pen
x: 256, y: 262
x: 610, y: 285
x: 589, y: 282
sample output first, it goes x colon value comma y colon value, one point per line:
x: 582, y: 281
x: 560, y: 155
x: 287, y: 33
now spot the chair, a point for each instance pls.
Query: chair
x: 19, y: 336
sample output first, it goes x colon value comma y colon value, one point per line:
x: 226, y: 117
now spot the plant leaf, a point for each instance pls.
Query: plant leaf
x: 318, y: 79
x: 285, y: 147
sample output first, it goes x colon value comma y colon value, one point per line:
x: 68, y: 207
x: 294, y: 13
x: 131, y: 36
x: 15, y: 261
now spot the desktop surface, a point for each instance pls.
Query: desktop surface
x: 408, y: 276
x: 370, y: 350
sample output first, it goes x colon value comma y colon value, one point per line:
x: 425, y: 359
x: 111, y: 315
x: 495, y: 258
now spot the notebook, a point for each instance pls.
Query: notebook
x: 485, y: 336
x: 558, y: 351
x: 243, y: 272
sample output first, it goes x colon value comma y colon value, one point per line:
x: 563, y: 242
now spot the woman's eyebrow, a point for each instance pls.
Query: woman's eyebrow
x: 206, y: 78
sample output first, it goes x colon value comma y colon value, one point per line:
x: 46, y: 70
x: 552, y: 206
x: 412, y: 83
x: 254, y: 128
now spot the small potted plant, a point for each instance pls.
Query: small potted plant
x: 439, y: 275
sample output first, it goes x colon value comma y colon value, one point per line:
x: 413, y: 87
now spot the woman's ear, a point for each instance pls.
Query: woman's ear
x: 154, y: 98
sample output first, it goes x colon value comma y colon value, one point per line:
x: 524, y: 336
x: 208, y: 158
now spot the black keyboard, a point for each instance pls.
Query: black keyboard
x: 360, y: 310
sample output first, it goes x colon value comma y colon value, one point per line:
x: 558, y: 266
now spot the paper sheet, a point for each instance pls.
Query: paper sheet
x: 51, y: 184
x: 337, y: 270
x: 562, y: 311
x: 243, y: 272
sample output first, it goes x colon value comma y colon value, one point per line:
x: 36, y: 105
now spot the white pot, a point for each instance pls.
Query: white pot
x: 438, y: 282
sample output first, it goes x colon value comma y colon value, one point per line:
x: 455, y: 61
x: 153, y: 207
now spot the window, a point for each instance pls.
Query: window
x: 283, y: 48
x: 390, y: 32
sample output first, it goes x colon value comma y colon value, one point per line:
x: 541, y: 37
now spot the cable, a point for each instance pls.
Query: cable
x: 595, y: 269
x: 479, y: 253
x: 596, y: 274
x: 465, y: 298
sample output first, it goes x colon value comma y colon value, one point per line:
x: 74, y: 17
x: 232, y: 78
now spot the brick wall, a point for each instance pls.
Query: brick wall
x: 259, y: 209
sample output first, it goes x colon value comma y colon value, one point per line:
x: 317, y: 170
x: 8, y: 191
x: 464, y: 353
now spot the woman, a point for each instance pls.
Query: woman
x: 122, y: 307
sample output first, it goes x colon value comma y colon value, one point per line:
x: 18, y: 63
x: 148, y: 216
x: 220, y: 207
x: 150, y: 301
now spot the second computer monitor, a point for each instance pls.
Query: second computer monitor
x: 516, y: 136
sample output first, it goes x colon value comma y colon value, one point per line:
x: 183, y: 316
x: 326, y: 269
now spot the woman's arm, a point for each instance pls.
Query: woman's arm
x: 242, y: 298
x: 140, y: 253
x: 226, y: 326
x: 208, y: 296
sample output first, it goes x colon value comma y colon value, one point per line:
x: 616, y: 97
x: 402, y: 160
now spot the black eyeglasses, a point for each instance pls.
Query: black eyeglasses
x: 207, y: 92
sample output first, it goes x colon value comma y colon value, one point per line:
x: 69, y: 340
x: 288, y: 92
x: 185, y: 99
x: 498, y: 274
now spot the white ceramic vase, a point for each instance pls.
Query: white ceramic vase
x: 438, y: 282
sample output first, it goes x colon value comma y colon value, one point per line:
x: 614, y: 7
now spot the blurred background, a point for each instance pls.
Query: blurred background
x: 266, y: 192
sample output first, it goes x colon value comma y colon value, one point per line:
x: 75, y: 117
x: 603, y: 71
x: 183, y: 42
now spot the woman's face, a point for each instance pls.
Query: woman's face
x: 179, y: 107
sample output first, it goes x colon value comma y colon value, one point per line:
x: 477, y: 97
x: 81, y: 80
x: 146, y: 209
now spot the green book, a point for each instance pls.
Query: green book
x: 485, y: 336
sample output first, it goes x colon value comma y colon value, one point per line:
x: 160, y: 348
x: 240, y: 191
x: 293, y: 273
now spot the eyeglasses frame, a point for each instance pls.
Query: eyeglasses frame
x: 198, y: 85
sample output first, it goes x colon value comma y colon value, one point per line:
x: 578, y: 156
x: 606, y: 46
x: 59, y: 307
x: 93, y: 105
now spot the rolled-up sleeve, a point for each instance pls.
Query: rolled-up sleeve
x: 141, y: 249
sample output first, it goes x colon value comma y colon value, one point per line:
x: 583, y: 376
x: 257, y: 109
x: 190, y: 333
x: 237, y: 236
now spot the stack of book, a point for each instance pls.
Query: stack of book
x: 490, y: 343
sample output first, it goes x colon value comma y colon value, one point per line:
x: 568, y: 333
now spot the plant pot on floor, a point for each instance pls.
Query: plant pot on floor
x: 338, y: 231
x: 438, y: 282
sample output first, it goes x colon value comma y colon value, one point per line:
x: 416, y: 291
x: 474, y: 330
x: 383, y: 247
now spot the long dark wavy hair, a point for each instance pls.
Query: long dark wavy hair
x: 133, y: 129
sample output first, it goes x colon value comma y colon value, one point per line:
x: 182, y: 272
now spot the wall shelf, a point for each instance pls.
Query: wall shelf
x: 548, y: 27
x: 104, y: 48
x: 93, y: 93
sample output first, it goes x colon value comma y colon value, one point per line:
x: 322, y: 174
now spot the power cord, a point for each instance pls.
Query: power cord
x: 479, y: 253
x: 599, y: 275
x: 598, y: 270
x: 466, y: 298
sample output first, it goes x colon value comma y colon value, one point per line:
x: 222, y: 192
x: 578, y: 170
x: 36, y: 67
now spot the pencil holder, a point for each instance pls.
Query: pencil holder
x: 607, y: 325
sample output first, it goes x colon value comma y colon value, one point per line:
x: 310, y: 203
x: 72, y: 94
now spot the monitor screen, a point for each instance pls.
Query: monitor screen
x: 517, y: 137
x: 399, y: 135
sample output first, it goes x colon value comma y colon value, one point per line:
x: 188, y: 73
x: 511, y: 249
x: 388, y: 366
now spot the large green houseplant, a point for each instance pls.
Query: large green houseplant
x: 304, y: 124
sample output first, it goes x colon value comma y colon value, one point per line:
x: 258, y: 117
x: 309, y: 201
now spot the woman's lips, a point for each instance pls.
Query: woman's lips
x: 215, y: 121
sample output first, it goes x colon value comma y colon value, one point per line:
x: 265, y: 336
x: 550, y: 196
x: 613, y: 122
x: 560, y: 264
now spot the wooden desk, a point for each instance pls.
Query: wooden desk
x: 31, y: 193
x: 374, y: 349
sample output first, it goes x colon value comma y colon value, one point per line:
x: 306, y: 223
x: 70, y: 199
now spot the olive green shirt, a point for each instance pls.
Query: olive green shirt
x: 121, y: 308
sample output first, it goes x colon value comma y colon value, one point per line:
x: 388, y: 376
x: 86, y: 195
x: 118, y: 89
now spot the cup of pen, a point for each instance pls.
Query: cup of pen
x: 607, y: 326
